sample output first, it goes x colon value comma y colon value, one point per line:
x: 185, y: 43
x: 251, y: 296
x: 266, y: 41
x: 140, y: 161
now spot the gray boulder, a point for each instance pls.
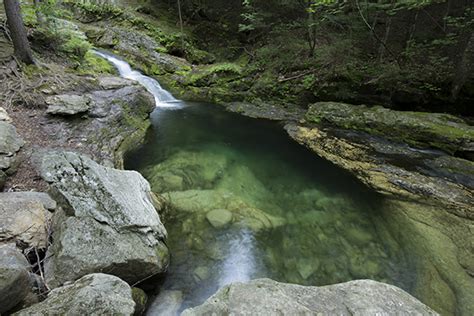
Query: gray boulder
x: 67, y: 104
x: 14, y: 280
x: 10, y: 144
x: 94, y: 294
x: 268, y: 297
x: 107, y: 222
x: 24, y: 217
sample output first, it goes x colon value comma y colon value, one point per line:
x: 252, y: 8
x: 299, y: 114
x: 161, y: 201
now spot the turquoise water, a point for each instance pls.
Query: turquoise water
x: 245, y: 201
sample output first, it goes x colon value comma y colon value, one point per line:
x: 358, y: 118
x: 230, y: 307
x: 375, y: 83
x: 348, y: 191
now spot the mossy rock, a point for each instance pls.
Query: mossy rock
x: 140, y: 298
x: 426, y: 130
x: 213, y: 74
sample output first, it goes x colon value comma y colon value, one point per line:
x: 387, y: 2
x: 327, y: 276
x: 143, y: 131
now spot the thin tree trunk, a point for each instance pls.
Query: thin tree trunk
x: 376, y: 37
x: 18, y: 31
x: 39, y: 15
x: 385, y: 39
x: 181, y: 23
x: 465, y: 64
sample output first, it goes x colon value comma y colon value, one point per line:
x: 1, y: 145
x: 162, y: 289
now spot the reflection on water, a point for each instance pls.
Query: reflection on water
x: 247, y: 202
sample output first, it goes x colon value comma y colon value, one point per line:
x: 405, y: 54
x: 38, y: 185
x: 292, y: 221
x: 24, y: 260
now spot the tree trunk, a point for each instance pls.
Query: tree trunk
x: 464, y: 65
x: 181, y: 24
x: 18, y: 31
x: 39, y: 15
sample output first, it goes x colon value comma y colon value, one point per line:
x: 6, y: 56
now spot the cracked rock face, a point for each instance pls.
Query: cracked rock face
x: 268, y: 297
x: 94, y: 294
x: 107, y: 222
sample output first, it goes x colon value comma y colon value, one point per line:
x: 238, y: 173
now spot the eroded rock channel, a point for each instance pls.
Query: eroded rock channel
x: 245, y: 201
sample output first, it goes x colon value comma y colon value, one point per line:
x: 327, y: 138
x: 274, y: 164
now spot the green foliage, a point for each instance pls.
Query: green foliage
x: 74, y: 46
x: 96, y: 11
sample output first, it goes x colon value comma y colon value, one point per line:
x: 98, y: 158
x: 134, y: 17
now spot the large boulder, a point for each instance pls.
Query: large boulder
x: 14, y: 279
x: 436, y: 130
x: 114, y: 117
x: 24, y: 217
x: 107, y: 222
x: 94, y: 294
x: 268, y: 297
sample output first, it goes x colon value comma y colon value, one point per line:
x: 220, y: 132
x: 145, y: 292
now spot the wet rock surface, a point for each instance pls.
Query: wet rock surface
x: 141, y: 47
x: 94, y: 294
x: 107, y: 222
x: 14, y: 279
x: 266, y: 297
x: 394, y: 168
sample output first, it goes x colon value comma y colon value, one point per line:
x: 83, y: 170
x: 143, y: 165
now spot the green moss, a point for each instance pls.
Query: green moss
x: 442, y: 131
x: 93, y: 64
x: 217, y: 73
x: 140, y: 298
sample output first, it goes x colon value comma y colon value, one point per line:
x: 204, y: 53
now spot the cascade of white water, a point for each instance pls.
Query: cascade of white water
x: 240, y: 263
x: 163, y: 98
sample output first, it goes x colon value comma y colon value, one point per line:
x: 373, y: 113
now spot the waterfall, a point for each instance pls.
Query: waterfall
x: 240, y: 263
x: 163, y: 98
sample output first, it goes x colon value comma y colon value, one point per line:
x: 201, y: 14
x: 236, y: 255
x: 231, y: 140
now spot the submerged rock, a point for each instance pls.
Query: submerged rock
x: 107, y: 223
x: 219, y: 218
x: 185, y: 170
x: 24, y: 217
x: 94, y: 294
x: 389, y: 167
x: 200, y: 202
x: 267, y: 297
x: 14, y: 279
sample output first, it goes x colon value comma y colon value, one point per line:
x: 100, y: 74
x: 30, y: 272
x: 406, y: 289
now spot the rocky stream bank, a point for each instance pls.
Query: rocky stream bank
x: 78, y: 235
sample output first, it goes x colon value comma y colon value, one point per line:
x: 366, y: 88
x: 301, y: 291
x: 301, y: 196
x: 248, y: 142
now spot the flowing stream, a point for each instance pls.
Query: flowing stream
x: 248, y: 202
x: 163, y: 98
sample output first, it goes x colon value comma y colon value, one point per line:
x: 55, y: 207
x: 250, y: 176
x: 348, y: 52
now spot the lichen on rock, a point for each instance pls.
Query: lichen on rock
x: 107, y: 222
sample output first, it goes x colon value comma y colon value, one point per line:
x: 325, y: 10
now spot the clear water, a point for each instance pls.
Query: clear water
x: 294, y: 217
x: 245, y: 201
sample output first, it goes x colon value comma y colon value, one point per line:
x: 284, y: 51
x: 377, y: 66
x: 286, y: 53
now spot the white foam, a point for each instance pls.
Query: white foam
x: 163, y: 98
